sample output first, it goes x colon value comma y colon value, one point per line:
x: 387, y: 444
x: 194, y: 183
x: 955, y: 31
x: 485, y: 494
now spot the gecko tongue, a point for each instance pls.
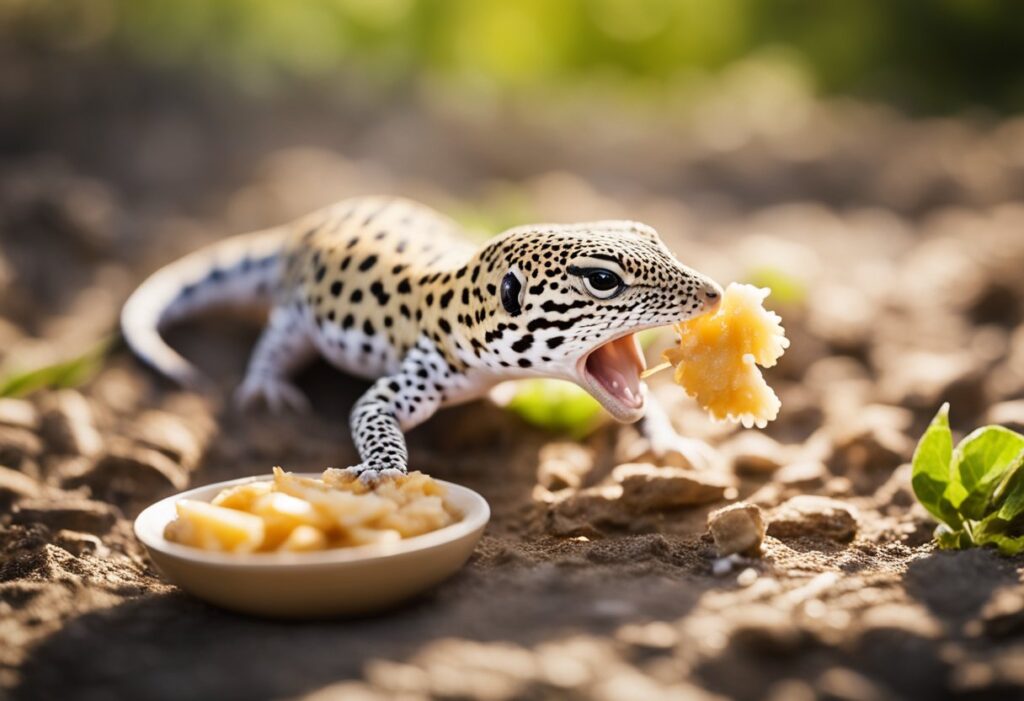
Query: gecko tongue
x: 617, y: 366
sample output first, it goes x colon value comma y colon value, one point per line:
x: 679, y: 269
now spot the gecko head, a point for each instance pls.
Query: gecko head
x: 570, y: 299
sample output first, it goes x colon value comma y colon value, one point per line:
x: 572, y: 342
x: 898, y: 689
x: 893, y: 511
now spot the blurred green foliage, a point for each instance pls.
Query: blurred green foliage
x: 73, y: 372
x: 937, y: 55
x: 557, y: 406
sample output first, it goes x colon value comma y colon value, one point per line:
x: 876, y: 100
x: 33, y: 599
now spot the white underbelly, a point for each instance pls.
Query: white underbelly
x: 355, y: 352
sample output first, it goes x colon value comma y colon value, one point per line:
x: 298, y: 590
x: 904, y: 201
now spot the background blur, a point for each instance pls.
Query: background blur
x: 863, y: 158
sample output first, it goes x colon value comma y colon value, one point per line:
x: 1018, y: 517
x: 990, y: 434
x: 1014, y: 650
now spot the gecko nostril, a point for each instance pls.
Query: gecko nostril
x: 711, y: 294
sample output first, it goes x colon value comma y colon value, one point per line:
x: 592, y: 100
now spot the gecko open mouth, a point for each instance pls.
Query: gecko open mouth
x: 612, y: 374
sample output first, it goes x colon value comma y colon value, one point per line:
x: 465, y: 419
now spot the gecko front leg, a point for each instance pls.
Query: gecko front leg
x: 661, y: 441
x: 393, y: 405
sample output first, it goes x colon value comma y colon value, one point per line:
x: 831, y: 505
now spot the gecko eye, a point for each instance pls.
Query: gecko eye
x: 601, y: 283
x: 512, y: 293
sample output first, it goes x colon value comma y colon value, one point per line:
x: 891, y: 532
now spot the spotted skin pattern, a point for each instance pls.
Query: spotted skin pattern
x: 390, y: 290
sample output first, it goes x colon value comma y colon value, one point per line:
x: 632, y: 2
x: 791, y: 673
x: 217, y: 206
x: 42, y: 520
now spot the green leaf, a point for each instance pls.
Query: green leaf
x: 68, y: 373
x: 948, y: 539
x: 980, y: 461
x: 931, y: 469
x: 1008, y: 545
x: 1009, y: 494
x: 994, y: 530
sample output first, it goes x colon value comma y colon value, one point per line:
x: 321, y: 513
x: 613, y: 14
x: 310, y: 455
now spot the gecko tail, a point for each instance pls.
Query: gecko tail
x: 239, y: 271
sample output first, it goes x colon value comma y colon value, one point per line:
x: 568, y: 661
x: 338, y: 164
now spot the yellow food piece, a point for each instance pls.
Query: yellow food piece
x: 242, y: 496
x: 304, y: 539
x: 282, y: 514
x: 300, y: 514
x: 718, y: 354
x: 213, y: 527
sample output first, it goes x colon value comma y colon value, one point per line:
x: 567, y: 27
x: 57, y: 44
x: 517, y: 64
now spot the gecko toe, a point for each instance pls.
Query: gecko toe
x: 277, y: 395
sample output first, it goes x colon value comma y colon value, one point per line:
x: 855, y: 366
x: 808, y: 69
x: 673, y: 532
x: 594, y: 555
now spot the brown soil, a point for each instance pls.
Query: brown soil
x: 903, y: 232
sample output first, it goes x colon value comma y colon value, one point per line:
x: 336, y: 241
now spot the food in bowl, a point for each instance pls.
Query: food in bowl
x: 302, y: 514
x: 718, y: 355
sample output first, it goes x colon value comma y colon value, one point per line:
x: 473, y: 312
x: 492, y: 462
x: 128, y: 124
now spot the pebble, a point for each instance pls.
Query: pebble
x: 170, y: 435
x: 747, y: 577
x: 68, y: 425
x: 129, y: 469
x: 871, y: 447
x: 806, y: 473
x: 563, y: 464
x: 1009, y: 414
x: 70, y: 513
x: 724, y: 565
x: 765, y: 630
x: 15, y: 485
x: 808, y: 515
x: 842, y: 684
x: 737, y: 528
x: 1003, y: 614
x: 19, y: 413
x: 754, y: 453
x: 19, y: 447
x: 79, y: 544
x: 646, y: 487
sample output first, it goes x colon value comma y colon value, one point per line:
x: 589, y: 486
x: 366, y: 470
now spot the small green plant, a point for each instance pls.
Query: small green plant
x: 976, y: 490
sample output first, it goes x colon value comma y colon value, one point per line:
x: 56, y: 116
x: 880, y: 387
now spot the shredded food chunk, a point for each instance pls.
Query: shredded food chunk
x: 297, y: 514
x: 718, y: 355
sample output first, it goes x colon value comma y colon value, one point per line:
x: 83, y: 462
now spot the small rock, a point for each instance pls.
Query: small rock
x: 737, y: 528
x: 688, y: 453
x: 72, y: 514
x: 807, y: 473
x: 841, y: 684
x: 765, y: 630
x: 18, y: 413
x: 754, y: 453
x: 871, y: 447
x: 68, y: 425
x: 724, y: 565
x: 647, y: 488
x: 18, y: 447
x: 807, y: 515
x: 170, y: 435
x: 1003, y: 614
x: 922, y: 380
x: 129, y: 469
x: 583, y: 512
x: 15, y: 485
x: 1009, y: 414
x: 747, y: 577
x: 79, y: 544
x: 911, y: 619
x: 563, y: 464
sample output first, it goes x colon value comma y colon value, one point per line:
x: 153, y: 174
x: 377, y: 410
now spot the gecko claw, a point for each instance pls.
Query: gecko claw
x: 278, y: 396
x: 372, y: 476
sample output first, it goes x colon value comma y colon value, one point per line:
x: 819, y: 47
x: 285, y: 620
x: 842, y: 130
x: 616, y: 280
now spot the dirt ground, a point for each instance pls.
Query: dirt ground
x: 900, y: 242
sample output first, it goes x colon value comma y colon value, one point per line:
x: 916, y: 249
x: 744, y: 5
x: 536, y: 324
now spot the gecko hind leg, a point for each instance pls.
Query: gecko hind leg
x: 283, y: 347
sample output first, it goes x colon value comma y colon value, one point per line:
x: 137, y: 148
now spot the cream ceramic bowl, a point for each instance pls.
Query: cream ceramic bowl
x: 341, y: 581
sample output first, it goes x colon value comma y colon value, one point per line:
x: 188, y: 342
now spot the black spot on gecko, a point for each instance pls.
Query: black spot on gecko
x: 523, y: 344
x: 368, y: 263
x: 377, y: 290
